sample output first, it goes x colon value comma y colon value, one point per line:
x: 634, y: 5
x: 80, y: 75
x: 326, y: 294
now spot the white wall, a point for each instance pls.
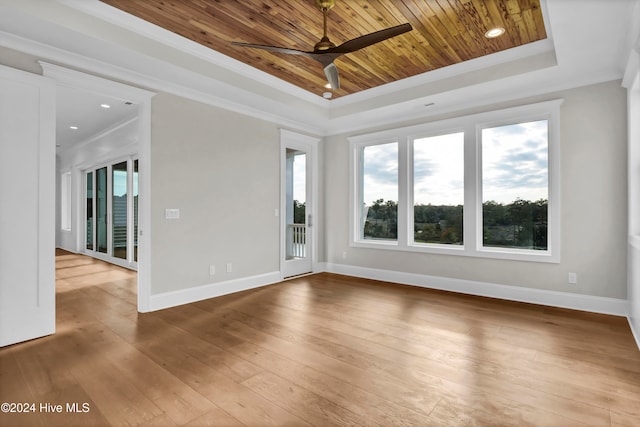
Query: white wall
x: 112, y: 144
x: 221, y: 169
x: 634, y: 196
x: 593, y: 209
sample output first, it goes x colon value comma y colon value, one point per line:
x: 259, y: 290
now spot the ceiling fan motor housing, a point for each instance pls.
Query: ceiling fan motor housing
x: 325, y: 5
x: 323, y: 44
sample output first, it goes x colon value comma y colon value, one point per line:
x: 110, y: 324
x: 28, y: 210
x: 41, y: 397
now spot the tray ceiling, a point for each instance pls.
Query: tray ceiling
x: 445, y: 32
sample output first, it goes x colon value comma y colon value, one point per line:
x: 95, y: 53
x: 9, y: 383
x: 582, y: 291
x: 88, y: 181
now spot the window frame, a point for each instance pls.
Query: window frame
x: 472, y: 126
x: 411, y: 243
x: 357, y: 225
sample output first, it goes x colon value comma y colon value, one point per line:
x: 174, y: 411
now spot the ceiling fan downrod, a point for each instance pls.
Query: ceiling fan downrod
x: 324, y: 43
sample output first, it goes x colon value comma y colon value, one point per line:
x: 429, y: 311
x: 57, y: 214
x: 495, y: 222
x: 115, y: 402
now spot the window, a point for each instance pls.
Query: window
x: 379, y: 201
x: 438, y: 189
x: 515, y: 185
x: 65, y: 201
x: 484, y: 185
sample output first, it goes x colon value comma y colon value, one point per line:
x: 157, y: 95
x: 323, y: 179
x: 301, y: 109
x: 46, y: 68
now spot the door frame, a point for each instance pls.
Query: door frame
x: 308, y: 144
x: 87, y: 82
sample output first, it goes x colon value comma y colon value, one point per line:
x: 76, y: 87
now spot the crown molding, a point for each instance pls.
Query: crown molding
x: 201, y: 88
x: 531, y: 70
x: 144, y: 28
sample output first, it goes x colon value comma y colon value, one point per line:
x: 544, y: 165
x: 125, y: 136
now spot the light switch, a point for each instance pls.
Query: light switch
x: 172, y: 213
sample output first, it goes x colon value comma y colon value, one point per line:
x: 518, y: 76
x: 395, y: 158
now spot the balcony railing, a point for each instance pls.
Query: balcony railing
x: 296, y: 241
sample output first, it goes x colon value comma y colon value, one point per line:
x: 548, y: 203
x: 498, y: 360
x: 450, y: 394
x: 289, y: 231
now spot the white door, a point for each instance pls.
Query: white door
x: 27, y: 201
x: 298, y: 204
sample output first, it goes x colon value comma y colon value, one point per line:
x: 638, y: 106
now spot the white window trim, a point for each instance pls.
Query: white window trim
x: 472, y: 126
x: 356, y: 192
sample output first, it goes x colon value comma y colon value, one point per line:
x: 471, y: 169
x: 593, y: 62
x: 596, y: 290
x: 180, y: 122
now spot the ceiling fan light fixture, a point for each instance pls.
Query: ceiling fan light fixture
x: 494, y: 32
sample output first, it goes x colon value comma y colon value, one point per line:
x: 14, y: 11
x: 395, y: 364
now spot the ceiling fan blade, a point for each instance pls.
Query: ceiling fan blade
x: 369, y: 39
x: 273, y: 48
x: 331, y: 71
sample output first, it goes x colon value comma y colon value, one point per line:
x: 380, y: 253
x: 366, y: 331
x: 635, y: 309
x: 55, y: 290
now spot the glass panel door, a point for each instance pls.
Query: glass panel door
x: 135, y: 210
x: 111, y: 216
x: 296, y: 205
x: 89, y: 212
x: 119, y: 210
x: 101, y: 210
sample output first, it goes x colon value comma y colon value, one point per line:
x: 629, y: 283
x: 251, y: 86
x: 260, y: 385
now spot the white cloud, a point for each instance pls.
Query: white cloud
x: 439, y: 170
x: 380, y: 171
x: 515, y: 162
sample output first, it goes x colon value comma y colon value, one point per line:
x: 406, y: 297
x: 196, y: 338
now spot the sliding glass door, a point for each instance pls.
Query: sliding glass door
x: 135, y: 210
x: 101, y: 210
x: 111, y: 217
x: 89, y: 211
x: 119, y: 210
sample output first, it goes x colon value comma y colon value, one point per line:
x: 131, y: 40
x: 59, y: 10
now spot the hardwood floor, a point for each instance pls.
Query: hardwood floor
x: 319, y: 350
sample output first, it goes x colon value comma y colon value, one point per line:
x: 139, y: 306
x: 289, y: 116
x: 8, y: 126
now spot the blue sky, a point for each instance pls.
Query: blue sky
x: 515, y: 165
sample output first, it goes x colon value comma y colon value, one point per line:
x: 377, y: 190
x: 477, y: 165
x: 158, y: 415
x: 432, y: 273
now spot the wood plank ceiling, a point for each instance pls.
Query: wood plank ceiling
x: 445, y: 32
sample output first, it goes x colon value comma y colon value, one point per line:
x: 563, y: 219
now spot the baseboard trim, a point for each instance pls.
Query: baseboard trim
x: 613, y: 306
x: 199, y: 293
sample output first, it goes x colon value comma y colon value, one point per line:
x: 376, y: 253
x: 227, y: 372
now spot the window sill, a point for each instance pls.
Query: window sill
x: 457, y: 250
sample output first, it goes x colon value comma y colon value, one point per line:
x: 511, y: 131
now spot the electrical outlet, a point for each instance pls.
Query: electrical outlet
x: 212, y: 270
x: 229, y: 267
x: 573, y: 278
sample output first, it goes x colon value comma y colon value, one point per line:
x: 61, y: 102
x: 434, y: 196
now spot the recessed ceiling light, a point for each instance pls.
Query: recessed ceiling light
x: 73, y: 127
x: 105, y: 105
x: 494, y: 32
x: 328, y: 86
x: 327, y: 95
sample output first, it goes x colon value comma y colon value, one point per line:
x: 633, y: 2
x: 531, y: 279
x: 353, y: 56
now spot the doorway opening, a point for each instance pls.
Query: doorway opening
x: 298, y: 204
x: 102, y: 149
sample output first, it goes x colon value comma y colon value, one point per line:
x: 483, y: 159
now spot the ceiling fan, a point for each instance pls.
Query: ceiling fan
x: 325, y: 52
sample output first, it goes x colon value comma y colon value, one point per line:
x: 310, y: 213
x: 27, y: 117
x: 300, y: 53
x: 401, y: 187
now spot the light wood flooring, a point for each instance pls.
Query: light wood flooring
x: 320, y: 350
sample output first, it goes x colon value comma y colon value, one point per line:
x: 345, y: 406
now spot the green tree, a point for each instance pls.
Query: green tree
x: 520, y: 224
x: 382, y: 220
x: 299, y: 211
